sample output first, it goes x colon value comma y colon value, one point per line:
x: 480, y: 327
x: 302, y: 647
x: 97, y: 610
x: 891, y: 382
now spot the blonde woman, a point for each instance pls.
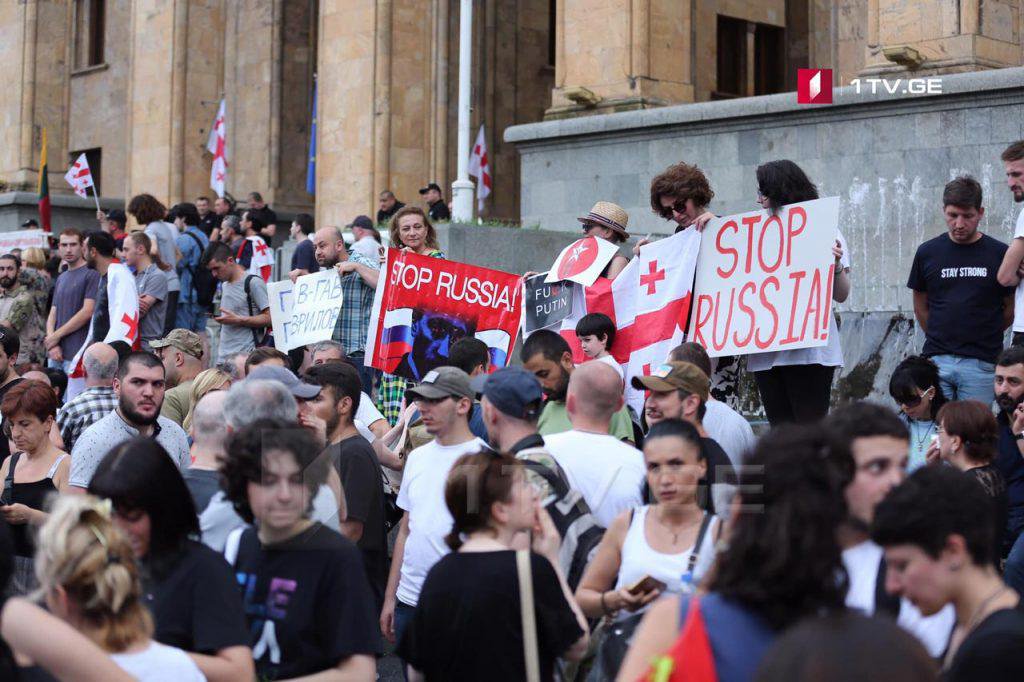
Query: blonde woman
x: 88, y: 576
x: 207, y: 381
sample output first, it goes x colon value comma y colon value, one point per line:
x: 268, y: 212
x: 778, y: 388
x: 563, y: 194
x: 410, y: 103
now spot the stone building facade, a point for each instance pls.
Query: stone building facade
x: 136, y: 83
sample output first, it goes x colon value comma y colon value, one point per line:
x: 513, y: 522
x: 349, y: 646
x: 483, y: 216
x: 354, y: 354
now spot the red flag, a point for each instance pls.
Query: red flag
x: 690, y: 659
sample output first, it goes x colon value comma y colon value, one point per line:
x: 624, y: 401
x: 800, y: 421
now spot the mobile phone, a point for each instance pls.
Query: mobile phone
x: 645, y: 585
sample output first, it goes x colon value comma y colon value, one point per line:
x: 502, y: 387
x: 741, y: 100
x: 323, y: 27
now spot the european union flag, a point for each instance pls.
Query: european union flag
x: 311, y: 164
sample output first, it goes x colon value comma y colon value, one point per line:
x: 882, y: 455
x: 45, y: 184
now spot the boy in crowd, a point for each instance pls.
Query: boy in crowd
x: 596, y: 333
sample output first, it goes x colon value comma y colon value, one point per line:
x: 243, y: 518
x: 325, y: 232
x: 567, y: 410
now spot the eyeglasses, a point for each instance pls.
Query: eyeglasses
x: 678, y: 207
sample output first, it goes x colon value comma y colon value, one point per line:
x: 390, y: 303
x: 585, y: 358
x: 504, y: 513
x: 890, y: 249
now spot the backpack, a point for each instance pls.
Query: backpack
x: 260, y: 337
x: 203, y: 283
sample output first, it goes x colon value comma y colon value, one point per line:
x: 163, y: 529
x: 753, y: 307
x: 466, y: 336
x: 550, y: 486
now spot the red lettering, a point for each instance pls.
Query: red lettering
x: 827, y: 310
x: 813, y: 303
x: 796, y: 277
x: 760, y: 244
x: 698, y: 334
x: 750, y: 313
x: 727, y: 250
x: 794, y: 211
x: 766, y: 304
x: 728, y: 321
x: 749, y: 222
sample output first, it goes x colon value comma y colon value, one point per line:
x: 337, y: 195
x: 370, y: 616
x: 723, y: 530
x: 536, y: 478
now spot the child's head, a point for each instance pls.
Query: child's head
x: 596, y: 333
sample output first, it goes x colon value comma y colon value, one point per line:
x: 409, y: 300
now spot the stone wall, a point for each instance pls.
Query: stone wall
x: 886, y: 157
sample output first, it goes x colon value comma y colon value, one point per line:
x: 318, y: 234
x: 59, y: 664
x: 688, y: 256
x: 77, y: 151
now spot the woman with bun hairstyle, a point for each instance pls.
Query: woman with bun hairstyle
x: 467, y: 624
x: 89, y: 578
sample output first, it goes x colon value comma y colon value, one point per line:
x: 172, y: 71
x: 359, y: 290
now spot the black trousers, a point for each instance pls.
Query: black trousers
x: 170, y: 320
x: 795, y: 393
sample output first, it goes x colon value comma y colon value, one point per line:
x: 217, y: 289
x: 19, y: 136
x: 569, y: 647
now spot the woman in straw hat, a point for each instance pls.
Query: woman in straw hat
x: 608, y: 221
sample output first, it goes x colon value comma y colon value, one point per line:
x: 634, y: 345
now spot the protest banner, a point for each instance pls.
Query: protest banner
x: 22, y: 239
x: 545, y: 305
x: 423, y: 305
x: 764, y: 282
x: 649, y: 302
x: 582, y: 261
x: 304, y: 312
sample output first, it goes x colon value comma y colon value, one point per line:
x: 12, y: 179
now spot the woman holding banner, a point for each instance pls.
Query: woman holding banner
x: 410, y: 230
x: 796, y: 385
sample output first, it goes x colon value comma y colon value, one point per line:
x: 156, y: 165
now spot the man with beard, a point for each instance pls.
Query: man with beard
x: 1010, y: 270
x: 358, y: 282
x: 99, y: 254
x: 1009, y: 388
x: 10, y: 346
x: 357, y: 466
x: 547, y: 355
x: 680, y: 390
x: 870, y: 446
x: 18, y: 310
x: 139, y: 387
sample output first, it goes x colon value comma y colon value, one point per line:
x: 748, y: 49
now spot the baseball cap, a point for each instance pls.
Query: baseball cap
x: 429, y: 187
x: 31, y: 222
x: 513, y: 390
x: 299, y: 389
x: 442, y: 383
x: 118, y: 216
x: 183, y: 340
x: 675, y: 375
x: 361, y: 221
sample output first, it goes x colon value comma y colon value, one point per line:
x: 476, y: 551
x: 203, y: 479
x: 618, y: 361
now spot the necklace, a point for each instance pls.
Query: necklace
x: 919, y: 442
x: 673, y: 533
x: 980, y: 609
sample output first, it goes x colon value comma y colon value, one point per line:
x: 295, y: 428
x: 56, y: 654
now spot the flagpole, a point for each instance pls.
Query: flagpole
x: 96, y: 197
x: 462, y: 188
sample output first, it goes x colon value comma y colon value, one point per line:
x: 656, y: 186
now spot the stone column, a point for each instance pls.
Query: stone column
x: 929, y: 37
x: 173, y: 91
x: 620, y: 55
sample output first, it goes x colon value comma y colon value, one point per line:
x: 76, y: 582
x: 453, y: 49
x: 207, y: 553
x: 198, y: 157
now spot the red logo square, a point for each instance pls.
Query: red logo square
x: 814, y: 86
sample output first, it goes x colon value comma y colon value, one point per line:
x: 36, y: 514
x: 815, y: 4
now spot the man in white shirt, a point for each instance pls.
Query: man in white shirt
x: 723, y: 424
x: 1010, y: 270
x: 872, y: 443
x: 444, y: 399
x: 607, y: 472
x: 367, y: 239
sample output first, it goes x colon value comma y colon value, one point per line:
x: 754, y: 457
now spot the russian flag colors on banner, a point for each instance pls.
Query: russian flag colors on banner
x: 124, y: 315
x: 649, y: 302
x: 423, y: 305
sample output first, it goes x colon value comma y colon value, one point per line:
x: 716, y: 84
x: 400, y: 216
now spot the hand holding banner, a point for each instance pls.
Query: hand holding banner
x: 545, y: 305
x: 305, y: 312
x: 764, y: 282
x: 583, y: 261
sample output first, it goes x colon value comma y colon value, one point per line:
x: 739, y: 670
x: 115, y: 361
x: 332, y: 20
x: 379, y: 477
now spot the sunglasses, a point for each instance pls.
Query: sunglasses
x: 678, y: 207
x: 916, y: 400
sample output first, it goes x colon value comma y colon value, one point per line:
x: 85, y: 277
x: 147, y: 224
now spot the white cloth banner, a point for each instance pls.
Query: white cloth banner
x: 305, y: 312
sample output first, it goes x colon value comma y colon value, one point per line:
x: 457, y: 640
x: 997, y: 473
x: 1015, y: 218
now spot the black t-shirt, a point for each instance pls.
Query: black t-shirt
x: 363, y: 483
x: 307, y: 602
x: 995, y: 487
x: 196, y: 607
x: 467, y: 624
x: 384, y: 216
x: 210, y: 221
x: 304, y: 257
x: 266, y: 214
x: 101, y: 313
x: 720, y: 470
x: 965, y: 300
x: 5, y: 446
x: 993, y: 651
x: 439, y: 211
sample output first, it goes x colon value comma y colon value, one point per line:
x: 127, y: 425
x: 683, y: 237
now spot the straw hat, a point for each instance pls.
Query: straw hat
x: 607, y: 214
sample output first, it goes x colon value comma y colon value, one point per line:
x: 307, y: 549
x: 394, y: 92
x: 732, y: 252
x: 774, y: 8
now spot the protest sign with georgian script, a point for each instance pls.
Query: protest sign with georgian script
x: 545, y: 305
x: 22, y: 239
x: 305, y: 312
x: 764, y: 282
x: 423, y: 305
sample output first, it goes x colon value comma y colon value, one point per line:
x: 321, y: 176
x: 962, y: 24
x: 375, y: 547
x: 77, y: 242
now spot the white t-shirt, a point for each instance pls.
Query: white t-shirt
x: 159, y: 663
x: 366, y: 414
x: 367, y: 247
x: 613, y: 363
x: 607, y: 472
x: 728, y: 428
x: 1018, y: 299
x: 829, y: 355
x: 862, y: 562
x: 422, y: 495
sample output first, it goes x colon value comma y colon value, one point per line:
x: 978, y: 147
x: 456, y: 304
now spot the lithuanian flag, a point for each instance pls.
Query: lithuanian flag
x: 44, y: 190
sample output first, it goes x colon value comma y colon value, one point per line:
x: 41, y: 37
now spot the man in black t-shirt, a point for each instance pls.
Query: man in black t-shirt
x: 958, y: 301
x: 259, y: 209
x: 436, y: 206
x: 362, y: 480
x: 388, y: 206
x: 10, y: 344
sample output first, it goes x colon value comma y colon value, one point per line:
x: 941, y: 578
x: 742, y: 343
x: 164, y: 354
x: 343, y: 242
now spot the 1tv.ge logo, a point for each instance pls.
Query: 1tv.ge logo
x: 814, y: 86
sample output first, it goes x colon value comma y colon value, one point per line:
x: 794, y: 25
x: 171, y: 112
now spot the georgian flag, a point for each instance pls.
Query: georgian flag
x: 123, y: 304
x: 216, y: 144
x: 262, y: 263
x: 80, y: 177
x: 480, y: 167
x: 649, y: 302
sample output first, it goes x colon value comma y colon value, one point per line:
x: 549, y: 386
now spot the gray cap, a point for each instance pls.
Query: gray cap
x: 442, y: 383
x: 299, y: 389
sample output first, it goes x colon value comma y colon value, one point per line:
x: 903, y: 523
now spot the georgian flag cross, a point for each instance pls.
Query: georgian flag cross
x: 217, y: 145
x: 79, y: 176
x: 480, y: 167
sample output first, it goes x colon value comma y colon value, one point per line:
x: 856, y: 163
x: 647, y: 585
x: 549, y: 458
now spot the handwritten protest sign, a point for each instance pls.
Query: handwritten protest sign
x: 764, y: 282
x: 545, y: 305
x: 304, y: 312
x: 22, y: 239
x: 423, y: 305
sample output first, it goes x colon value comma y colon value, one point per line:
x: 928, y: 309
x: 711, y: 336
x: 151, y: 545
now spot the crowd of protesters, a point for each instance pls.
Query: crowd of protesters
x: 205, y: 506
